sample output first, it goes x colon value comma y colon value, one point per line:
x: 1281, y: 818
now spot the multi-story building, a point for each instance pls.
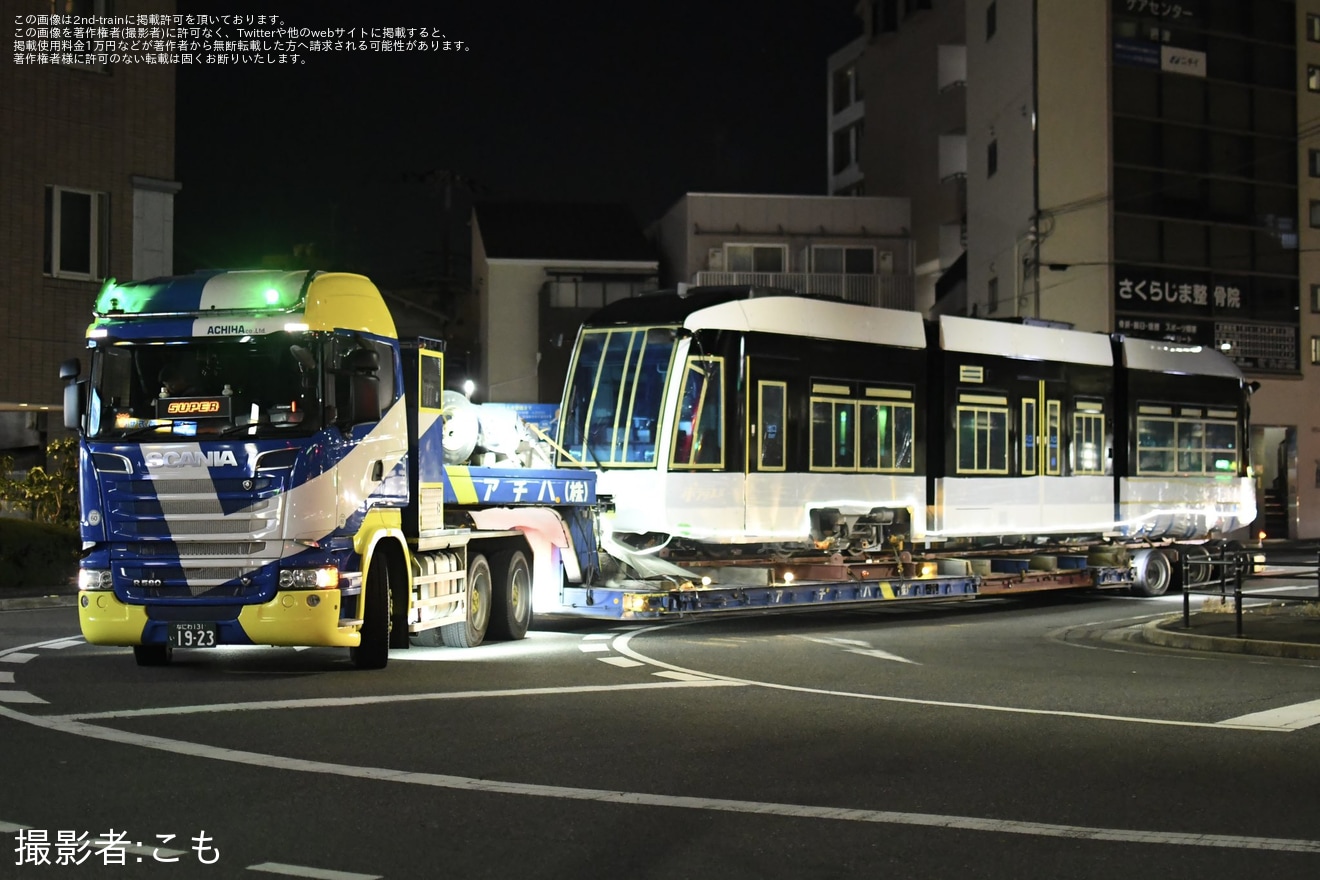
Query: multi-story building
x: 86, y: 193
x: 857, y: 249
x: 1132, y: 166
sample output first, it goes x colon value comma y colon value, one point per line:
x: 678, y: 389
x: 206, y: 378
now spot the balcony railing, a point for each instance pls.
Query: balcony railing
x: 884, y: 291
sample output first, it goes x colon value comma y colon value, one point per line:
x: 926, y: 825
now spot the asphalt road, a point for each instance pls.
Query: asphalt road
x: 1002, y: 739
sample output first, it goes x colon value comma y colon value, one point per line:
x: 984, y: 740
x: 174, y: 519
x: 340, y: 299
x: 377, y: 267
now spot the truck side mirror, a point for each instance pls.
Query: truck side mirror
x: 73, y: 394
x: 363, y: 369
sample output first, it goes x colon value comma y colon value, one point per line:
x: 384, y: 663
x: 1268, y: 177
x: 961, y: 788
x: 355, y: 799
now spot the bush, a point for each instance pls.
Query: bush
x: 36, y: 554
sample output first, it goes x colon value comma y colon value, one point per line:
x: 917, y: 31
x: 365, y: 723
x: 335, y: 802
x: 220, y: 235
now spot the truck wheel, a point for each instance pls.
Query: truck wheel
x: 1198, y: 564
x: 472, y: 631
x: 373, y: 651
x: 1154, y: 573
x: 511, y: 611
x: 153, y: 655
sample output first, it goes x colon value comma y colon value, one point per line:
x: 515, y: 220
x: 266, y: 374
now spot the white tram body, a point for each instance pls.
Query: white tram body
x: 723, y: 417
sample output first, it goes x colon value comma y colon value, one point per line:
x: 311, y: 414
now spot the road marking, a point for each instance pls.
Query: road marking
x: 685, y: 676
x: 593, y: 637
x: 591, y: 647
x: 62, y: 644
x: 339, y: 702
x: 19, y: 697
x: 17, y: 657
x: 854, y: 646
x: 136, y: 849
x: 622, y: 662
x: 623, y: 646
x: 629, y: 798
x: 6, y: 677
x: 1293, y: 717
x: 317, y: 873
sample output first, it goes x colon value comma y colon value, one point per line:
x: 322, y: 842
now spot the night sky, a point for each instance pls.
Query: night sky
x: 633, y: 102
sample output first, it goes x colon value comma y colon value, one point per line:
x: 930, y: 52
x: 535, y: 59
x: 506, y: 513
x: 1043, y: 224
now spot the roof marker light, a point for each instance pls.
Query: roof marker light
x: 272, y: 296
x: 295, y: 328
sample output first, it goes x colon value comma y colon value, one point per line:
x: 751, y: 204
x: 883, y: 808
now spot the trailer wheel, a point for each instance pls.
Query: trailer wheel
x: 511, y: 610
x: 1154, y: 572
x: 373, y: 651
x: 1198, y: 564
x: 153, y: 655
x: 472, y: 632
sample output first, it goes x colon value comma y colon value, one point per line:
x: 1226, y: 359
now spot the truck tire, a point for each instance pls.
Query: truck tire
x: 373, y: 651
x: 152, y: 655
x: 1153, y: 572
x: 511, y: 605
x: 472, y: 632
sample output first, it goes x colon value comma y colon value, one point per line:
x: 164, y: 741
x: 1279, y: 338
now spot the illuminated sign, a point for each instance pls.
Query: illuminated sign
x: 192, y: 407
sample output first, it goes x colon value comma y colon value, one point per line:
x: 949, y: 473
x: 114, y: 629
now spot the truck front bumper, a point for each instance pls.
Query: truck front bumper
x: 292, y: 618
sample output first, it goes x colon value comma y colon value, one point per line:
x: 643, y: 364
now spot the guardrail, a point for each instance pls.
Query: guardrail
x: 1199, y: 575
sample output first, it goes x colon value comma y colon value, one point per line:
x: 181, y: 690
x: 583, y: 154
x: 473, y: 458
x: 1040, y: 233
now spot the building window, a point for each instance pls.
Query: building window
x: 847, y: 88
x: 1315, y: 349
x: 574, y: 292
x: 1313, y: 27
x: 1315, y: 299
x: 840, y: 260
x: 990, y: 20
x: 1312, y: 78
x: 1313, y: 162
x: 77, y: 233
x: 1315, y: 213
x: 992, y: 296
x: 992, y: 159
x: 755, y: 257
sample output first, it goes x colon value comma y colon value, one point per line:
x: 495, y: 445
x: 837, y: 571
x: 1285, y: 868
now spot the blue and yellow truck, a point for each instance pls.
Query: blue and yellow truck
x: 263, y: 461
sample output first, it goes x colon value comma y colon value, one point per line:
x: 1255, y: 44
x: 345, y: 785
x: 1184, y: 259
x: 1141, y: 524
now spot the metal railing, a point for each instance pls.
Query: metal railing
x: 1224, y: 575
x: 884, y: 291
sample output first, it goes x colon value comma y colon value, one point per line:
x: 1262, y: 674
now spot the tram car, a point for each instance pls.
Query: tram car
x: 737, y: 416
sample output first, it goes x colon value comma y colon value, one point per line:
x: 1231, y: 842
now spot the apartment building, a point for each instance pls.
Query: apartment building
x: 858, y: 249
x: 1133, y: 166
x: 86, y: 192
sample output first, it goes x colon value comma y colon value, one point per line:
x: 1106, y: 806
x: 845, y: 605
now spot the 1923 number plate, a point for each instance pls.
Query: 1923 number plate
x: 193, y: 635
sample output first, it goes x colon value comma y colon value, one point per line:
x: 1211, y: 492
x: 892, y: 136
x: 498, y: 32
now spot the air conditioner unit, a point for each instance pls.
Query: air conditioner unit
x: 715, y: 260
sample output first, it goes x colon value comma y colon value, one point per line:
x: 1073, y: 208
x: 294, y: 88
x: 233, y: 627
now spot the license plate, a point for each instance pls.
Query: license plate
x: 193, y: 635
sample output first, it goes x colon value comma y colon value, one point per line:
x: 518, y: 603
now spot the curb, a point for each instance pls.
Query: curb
x: 1156, y: 633
x: 26, y: 603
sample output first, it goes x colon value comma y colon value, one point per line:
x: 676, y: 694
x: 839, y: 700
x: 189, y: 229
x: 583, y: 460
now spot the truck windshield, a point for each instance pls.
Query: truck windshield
x: 254, y: 386
x: 614, y: 395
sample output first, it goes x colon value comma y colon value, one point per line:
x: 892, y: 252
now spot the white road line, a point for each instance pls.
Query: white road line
x: 592, y: 647
x: 98, y: 841
x: 63, y: 643
x: 645, y: 799
x: 622, y: 662
x: 19, y: 697
x: 17, y: 657
x: 6, y: 677
x: 624, y: 647
x: 595, y: 637
x: 1293, y: 717
x: 317, y: 873
x: 684, y: 676
x: 339, y: 702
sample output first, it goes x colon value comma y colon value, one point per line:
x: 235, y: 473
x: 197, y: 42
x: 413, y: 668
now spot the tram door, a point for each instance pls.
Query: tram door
x: 770, y: 489
x: 1040, y: 431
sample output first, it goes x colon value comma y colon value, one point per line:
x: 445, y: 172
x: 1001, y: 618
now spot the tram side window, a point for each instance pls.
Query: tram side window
x: 982, y: 439
x: 885, y: 436
x: 1155, y: 446
x: 833, y: 434
x: 699, y: 440
x: 1187, y: 444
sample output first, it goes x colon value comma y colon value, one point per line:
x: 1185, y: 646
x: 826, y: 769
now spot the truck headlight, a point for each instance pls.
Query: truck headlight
x: 95, y: 579
x: 324, y: 578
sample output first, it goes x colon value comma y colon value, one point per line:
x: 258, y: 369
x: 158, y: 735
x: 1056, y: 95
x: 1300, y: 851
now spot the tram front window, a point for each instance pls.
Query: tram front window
x: 615, y: 392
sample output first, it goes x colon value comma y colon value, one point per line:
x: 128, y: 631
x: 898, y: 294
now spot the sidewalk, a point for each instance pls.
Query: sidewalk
x: 1289, y: 629
x: 17, y: 598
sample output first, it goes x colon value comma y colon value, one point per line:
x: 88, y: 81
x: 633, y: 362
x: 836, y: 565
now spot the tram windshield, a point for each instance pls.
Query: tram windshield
x: 616, y: 389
